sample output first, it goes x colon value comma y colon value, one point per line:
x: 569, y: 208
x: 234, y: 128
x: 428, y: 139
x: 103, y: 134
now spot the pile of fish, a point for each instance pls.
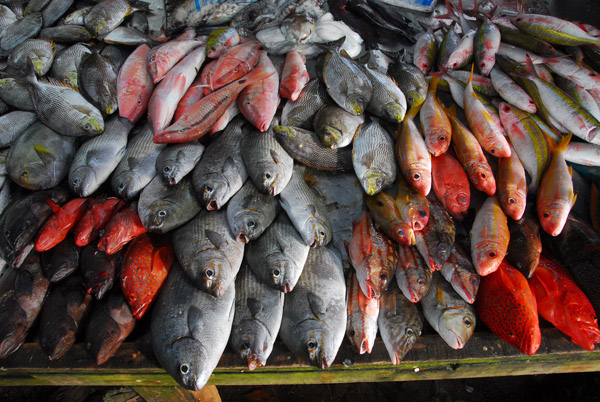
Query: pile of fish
x: 174, y: 167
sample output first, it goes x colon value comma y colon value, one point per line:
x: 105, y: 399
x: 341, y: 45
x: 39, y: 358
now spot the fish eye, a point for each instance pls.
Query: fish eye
x: 184, y: 368
x: 379, y: 181
x: 442, y: 138
x: 322, y: 233
x: 454, y: 65
x: 379, y: 204
x: 467, y: 322
x: 167, y: 169
x: 122, y: 186
x: 153, y: 58
x: 351, y: 333
x: 507, y: 108
x: 251, y: 224
x: 214, y: 48
x: 416, y: 176
x: 139, y: 101
x: 482, y: 65
x: 87, y: 126
x: 425, y: 65
x: 268, y: 175
x: 209, y: 273
x: 546, y: 215
x: 276, y: 273
x: 162, y: 213
x: 483, y: 175
x: 24, y: 173
x: 235, y: 70
x: 208, y: 189
x: 421, y: 282
x: 463, y: 199
x: 410, y: 332
x: 511, y: 200
x: 245, y: 345
x: 422, y: 212
x: 492, y: 254
x: 180, y: 131
x: 312, y: 345
x: 474, y: 282
x: 493, y: 151
x: 400, y: 232
x: 76, y: 181
x: 383, y: 276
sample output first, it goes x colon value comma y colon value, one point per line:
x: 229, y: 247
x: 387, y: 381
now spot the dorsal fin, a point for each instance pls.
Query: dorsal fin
x: 56, y: 83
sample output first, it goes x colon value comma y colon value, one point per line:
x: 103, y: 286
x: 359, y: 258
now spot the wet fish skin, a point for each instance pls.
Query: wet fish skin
x: 525, y: 246
x: 335, y: 127
x: 77, y: 17
x: 54, y: 10
x: 66, y: 34
x: 106, y: 16
x: 413, y: 275
x: 99, y: 212
x: 234, y: 63
x: 410, y: 80
x: 436, y: 240
x: 219, y: 40
x: 98, y: 81
x: 459, y: 271
x: 387, y: 101
x: 489, y: 237
x: 19, y: 31
x: 413, y: 206
x: 14, y: 92
x: 61, y: 261
x: 426, y: 50
x: 361, y: 325
x: 175, y: 161
x: 39, y: 51
x: 123, y: 227
x: 373, y: 158
x: 98, y: 270
x: 163, y: 57
x: 554, y: 30
x: 486, y: 43
x: 134, y: 85
x: 436, y: 126
x: 65, y: 64
x: 413, y: 157
x: 127, y: 36
x: 451, y: 185
x: 301, y: 112
x: 13, y: 124
x: 57, y: 227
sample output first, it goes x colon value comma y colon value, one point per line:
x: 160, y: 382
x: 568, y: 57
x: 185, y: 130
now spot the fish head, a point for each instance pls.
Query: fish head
x: 158, y: 62
x: 171, y: 171
x: 420, y: 178
x: 331, y: 136
x: 160, y: 214
x: 228, y: 70
x: 247, y: 225
x: 374, y: 276
x: 93, y: 125
x: 133, y: 101
x: 483, y: 178
x: 513, y: 201
x: 83, y: 181
x: 486, y: 257
x: 553, y: 216
x: 418, y: 284
x: 361, y: 331
x: 415, y: 97
x: 321, y: 231
x: 403, y: 343
x: 215, y: 274
x: 282, y: 272
x: 187, y: 365
x: 402, y: 233
x: 457, y: 202
x: 456, y: 325
x: 355, y: 105
x: 418, y: 217
x: 314, y: 339
x: 487, y: 63
x: 213, y: 192
x: 126, y: 185
x: 396, y: 112
x: 109, y: 101
x: 530, y: 338
x: 373, y: 181
x: 253, y: 344
x: 270, y: 179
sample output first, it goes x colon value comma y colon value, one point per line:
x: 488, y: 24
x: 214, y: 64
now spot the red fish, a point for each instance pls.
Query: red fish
x: 134, y: 85
x: 205, y: 76
x: 506, y: 305
x: 194, y: 93
x: 562, y: 303
x: 294, y: 76
x: 123, y: 227
x: 58, y: 225
x: 451, y: 185
x: 94, y: 219
x: 145, y: 267
x: 512, y: 186
x: 361, y: 327
x: 236, y: 62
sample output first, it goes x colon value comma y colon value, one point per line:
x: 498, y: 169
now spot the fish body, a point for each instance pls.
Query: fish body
x: 134, y: 85
x: 175, y: 161
x: 294, y: 76
x: 20, y: 30
x: 511, y: 92
x: 486, y: 44
x: 58, y: 225
x: 99, y: 82
x: 219, y: 40
x: 411, y: 82
x: 250, y: 212
x: 361, y: 325
x: 98, y: 271
x: 385, y: 213
x: 413, y: 275
x: 94, y: 218
x: 387, y: 101
x: 459, y: 271
x: 426, y: 51
x: 413, y: 206
x: 413, y: 157
x: 437, y: 128
x: 123, y: 227
x: 61, y: 261
x: 525, y: 246
x: 489, y: 237
x: 301, y: 112
x: 462, y: 53
x: 66, y: 63
x: 373, y: 158
x: 163, y: 57
x: 234, y: 63
x: 436, y: 240
x: 554, y: 30
x: 335, y: 127
x: 106, y: 16
x: 512, y: 186
x: 13, y: 124
x: 451, y: 185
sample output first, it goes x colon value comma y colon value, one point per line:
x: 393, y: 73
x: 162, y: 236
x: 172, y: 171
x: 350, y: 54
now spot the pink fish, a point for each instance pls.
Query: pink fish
x: 294, y: 76
x: 134, y: 85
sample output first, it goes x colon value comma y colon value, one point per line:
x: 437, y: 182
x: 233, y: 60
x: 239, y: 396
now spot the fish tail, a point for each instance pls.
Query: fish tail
x: 333, y: 45
x: 414, y: 110
x: 256, y: 75
x: 451, y: 14
x: 561, y: 147
x: 471, y: 75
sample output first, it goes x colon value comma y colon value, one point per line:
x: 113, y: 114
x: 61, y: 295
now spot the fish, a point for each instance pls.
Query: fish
x: 459, y: 271
x: 98, y: 270
x: 525, y: 245
x: 123, y: 227
x: 555, y: 197
x: 294, y: 76
x: 298, y: 27
x: 61, y: 261
x: 21, y: 303
x: 512, y: 186
x: 219, y: 40
x: 412, y: 154
x: 425, y: 53
x: 335, y: 127
x: 109, y: 324
x: 66, y: 34
x: 314, y: 313
x: 54, y: 10
x: 138, y: 166
x: 387, y: 102
x: 413, y: 206
x: 554, y: 30
x: 13, y: 124
x: 175, y: 161
x: 507, y: 306
x: 127, y: 36
x: 77, y: 17
x: 14, y: 92
x: 413, y: 275
x: 134, y: 85
x: 39, y: 51
x: 489, y: 237
x: 234, y: 63
x: 581, y: 153
x: 436, y: 126
x: 66, y: 63
x: 385, y: 213
x: 301, y: 112
x: 189, y: 345
x: 162, y: 207
x: 194, y: 93
x: 410, y: 80
x: 57, y: 227
x: 451, y: 185
x: 373, y: 158
x: 400, y: 324
x: 61, y: 317
x: 208, y: 252
x: 221, y: 172
x: 436, y: 240
x: 144, y: 269
x: 106, y: 16
x: 98, y: 81
x: 99, y: 212
x: 526, y: 41
x: 19, y: 31
x: 511, y: 92
x: 361, y: 324
x: 373, y: 256
x: 98, y: 157
x: 485, y: 46
x: 257, y: 319
x: 162, y: 58
x: 306, y: 210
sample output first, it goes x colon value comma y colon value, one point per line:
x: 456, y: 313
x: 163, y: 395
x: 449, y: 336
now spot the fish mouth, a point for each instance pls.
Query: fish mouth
x: 287, y: 287
x: 243, y: 238
x: 364, y: 347
x: 212, y: 205
x: 254, y: 362
x: 371, y: 290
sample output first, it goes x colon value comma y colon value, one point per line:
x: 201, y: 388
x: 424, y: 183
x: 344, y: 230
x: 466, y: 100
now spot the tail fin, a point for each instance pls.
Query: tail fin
x: 561, y: 147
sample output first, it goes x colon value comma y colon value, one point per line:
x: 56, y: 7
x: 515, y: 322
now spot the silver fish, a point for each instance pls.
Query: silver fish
x: 98, y: 81
x: 39, y: 51
x: 54, y: 10
x: 302, y: 111
x: 13, y: 124
x: 388, y: 101
x: 20, y: 30
x: 15, y: 93
x: 177, y: 160
x: 336, y: 127
x: 65, y: 65
x: 460, y: 272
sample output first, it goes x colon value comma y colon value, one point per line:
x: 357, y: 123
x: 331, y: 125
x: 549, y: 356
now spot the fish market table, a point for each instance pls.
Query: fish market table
x: 485, y: 355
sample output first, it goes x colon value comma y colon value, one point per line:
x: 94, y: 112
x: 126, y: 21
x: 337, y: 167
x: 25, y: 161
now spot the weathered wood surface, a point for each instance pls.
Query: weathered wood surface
x: 484, y: 355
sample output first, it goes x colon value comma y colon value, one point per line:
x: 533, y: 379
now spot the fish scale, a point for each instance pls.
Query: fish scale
x: 489, y: 237
x: 413, y: 275
x: 300, y: 113
x: 373, y: 158
x: 361, y: 326
x: 65, y: 64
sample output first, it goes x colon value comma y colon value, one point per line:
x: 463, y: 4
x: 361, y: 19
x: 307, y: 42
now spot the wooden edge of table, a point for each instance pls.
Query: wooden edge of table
x: 485, y: 355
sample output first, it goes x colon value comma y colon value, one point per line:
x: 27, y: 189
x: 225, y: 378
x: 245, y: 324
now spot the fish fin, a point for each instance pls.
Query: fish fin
x: 471, y: 75
x: 46, y: 155
x: 312, y: 209
x: 561, y: 147
x: 530, y: 71
x: 178, y: 84
x: 573, y: 199
x: 435, y: 77
x: 450, y: 15
x: 159, y: 258
x: 215, y: 238
x: 284, y: 244
x: 195, y: 321
x: 254, y: 306
x: 367, y: 159
x: 56, y: 83
x: 440, y: 298
x: 180, y: 156
x: 316, y: 304
x: 230, y: 166
x: 54, y: 206
x: 333, y: 45
x: 555, y: 59
x: 276, y: 157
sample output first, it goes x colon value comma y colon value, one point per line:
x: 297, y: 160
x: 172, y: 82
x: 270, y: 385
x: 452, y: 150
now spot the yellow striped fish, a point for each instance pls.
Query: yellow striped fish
x: 489, y: 237
x: 512, y: 186
x: 361, y: 327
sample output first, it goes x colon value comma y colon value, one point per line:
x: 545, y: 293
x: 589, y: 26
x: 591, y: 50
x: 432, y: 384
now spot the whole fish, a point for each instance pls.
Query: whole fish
x: 451, y: 185
x: 512, y: 186
x: 98, y: 81
x: 448, y: 314
x: 163, y: 57
x: 58, y: 225
x: 294, y: 76
x: 13, y: 124
x: 61, y: 261
x: 386, y: 215
x: 426, y: 51
x: 54, y: 10
x: 219, y: 40
x: 436, y: 240
x: 413, y: 157
x: 400, y: 323
x: 306, y: 210
x: 562, y: 303
x: 413, y: 275
x: 14, y: 92
x: 106, y: 16
x: 485, y: 46
x: 61, y: 316
x: 145, y: 267
x: 127, y: 36
x: 66, y: 63
x: 258, y: 315
x: 301, y: 112
x: 459, y: 271
x: 489, y: 237
x: 410, y: 80
x: 66, y: 34
x: 138, y: 166
x: 250, y: 212
x: 448, y: 45
x: 507, y: 306
x: 189, y: 344
x: 361, y: 325
x: 19, y: 31
x: 373, y: 256
x: 554, y: 30
x: 511, y: 92
x: 39, y: 51
x: 21, y: 303
x: 268, y: 164
x: 98, y: 157
x: 335, y: 127
x: 525, y: 246
x: 278, y: 256
x: 387, y: 101
x: 77, y: 17
x: 437, y: 129
x: 98, y: 271
x: 234, y: 63
x: 134, y: 85
x: 373, y: 158
x: 40, y: 157
x: 176, y: 161
x: 208, y: 252
x: 99, y: 212
x: 194, y: 93
x: 314, y: 313
x: 110, y: 323
x: 123, y: 227
x: 413, y: 206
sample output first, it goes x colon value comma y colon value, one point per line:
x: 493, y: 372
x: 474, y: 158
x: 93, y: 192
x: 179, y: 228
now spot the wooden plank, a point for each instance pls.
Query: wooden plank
x: 484, y: 355
x: 178, y: 394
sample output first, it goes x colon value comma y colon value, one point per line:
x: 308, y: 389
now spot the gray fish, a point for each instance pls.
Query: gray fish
x: 373, y: 158
x: 13, y: 124
x: 388, y: 101
x: 15, y: 93
x: 61, y: 260
x: 177, y: 160
x: 336, y: 127
x: 106, y: 16
x: 7, y: 17
x: 278, y: 256
x: 110, y: 323
x: 61, y: 315
x: 436, y: 240
x: 163, y: 208
x: 450, y: 316
x: 221, y: 172
x: 6, y: 195
x: 258, y: 314
x: 302, y: 111
x: 190, y: 329
x: 137, y: 168
x: 67, y: 33
x: 400, y: 323
x: 98, y: 157
x: 267, y: 163
x: 54, y: 10
x: 39, y: 51
x: 250, y: 212
x: 115, y: 54
x: 139, y: 22
x: 460, y: 272
x: 40, y: 158
x: 127, y: 36
x: 98, y: 81
x: 314, y: 313
x: 20, y: 30
x: 306, y: 210
x: 208, y: 252
x: 410, y: 80
x: 4, y: 108
x: 98, y: 270
x: 66, y: 63
x: 3, y: 161
x: 21, y: 304
x: 77, y: 17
